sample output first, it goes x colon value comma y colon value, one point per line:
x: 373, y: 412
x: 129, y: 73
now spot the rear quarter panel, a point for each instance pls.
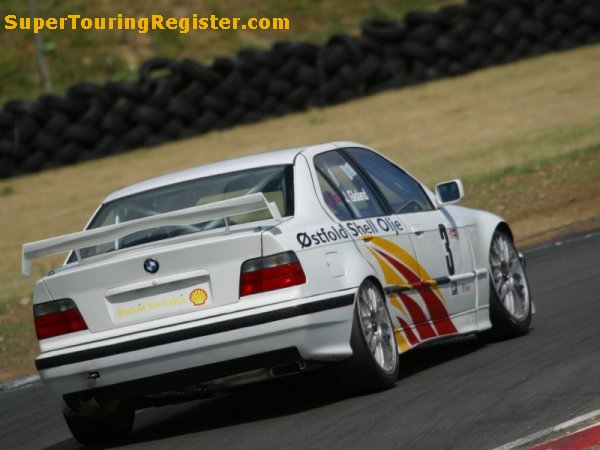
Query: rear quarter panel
x: 329, y: 256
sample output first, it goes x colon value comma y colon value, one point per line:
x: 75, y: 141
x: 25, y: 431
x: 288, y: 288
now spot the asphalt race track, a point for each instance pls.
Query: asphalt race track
x: 462, y: 394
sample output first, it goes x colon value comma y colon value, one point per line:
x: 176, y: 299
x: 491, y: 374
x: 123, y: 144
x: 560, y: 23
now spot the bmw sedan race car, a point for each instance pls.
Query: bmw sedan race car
x: 264, y: 266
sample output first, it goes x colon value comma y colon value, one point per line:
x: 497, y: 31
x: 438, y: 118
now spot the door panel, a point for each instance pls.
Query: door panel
x: 429, y: 287
x: 444, y: 254
x: 412, y: 249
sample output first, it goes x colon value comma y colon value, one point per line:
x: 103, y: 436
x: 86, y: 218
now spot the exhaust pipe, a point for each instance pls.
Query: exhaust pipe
x: 287, y: 369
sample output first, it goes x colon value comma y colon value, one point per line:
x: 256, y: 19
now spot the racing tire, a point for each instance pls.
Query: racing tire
x: 348, y: 76
x: 173, y: 128
x: 149, y: 67
x: 82, y: 134
x: 350, y: 43
x: 7, y: 120
x: 279, y: 87
x: 216, y: 103
x: 33, y: 162
x: 249, y: 98
x: 111, y: 427
x: 115, y: 124
x: 308, y: 75
x: 153, y: 117
x: 510, y: 296
x: 374, y: 364
x: 415, y: 18
x: 334, y: 57
x: 135, y: 136
x: 383, y: 30
x: 205, y: 122
x: 260, y: 80
x: 26, y: 128
x: 89, y: 91
x: 94, y: 114
x: 7, y: 166
x: 46, y: 142
x: 289, y: 69
x: 304, y: 50
x: 193, y: 92
x: 229, y: 86
x: 196, y: 71
x: 69, y: 106
x: 161, y: 93
x: 68, y: 153
x: 426, y: 33
x: 56, y: 124
x: 131, y: 91
x: 368, y: 68
x: 298, y: 97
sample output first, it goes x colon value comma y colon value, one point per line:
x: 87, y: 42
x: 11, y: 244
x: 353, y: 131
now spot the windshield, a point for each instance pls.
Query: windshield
x: 275, y: 182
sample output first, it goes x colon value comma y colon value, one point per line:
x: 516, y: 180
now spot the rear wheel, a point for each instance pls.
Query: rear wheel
x: 374, y: 363
x: 510, y: 299
x: 113, y: 423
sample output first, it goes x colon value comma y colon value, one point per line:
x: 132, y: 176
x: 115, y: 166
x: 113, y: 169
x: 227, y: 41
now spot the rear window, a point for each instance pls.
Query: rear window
x: 275, y: 182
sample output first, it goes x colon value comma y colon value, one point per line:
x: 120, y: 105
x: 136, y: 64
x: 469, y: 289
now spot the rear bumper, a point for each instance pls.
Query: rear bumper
x: 174, y: 382
x: 315, y: 328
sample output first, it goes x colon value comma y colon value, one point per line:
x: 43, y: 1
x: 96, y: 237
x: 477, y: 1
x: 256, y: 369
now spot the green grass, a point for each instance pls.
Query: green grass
x: 532, y: 166
x: 545, y: 198
x: 6, y: 191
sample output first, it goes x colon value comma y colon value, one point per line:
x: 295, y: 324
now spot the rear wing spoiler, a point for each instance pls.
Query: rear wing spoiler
x: 196, y: 214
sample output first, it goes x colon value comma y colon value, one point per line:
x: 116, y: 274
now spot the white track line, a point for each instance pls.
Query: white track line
x: 547, y: 431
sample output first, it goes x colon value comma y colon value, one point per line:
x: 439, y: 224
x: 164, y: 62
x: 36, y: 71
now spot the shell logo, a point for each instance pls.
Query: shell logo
x: 198, y: 297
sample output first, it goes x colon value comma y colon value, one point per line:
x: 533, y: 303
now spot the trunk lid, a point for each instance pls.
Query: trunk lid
x: 193, y: 275
x: 185, y: 274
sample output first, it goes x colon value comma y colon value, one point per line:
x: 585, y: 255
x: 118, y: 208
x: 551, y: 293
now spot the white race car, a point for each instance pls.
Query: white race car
x: 264, y: 266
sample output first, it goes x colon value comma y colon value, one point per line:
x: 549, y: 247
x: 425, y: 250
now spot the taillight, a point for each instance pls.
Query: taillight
x: 56, y: 318
x: 271, y: 272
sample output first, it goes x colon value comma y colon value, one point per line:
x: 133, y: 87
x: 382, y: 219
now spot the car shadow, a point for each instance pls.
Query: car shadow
x: 437, y: 353
x: 277, y: 398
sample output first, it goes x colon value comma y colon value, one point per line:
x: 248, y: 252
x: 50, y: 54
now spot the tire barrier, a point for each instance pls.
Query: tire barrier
x: 177, y: 99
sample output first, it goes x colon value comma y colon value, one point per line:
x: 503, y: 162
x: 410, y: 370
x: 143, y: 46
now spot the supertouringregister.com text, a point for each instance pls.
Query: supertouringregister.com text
x: 183, y: 25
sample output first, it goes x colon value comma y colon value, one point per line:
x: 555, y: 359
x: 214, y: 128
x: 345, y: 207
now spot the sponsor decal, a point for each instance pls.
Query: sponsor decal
x: 322, y: 236
x: 400, y: 268
x: 360, y: 196
x: 466, y: 288
x: 152, y: 305
x: 454, y: 287
x: 198, y: 297
x: 354, y: 228
x: 377, y: 225
x: 348, y: 170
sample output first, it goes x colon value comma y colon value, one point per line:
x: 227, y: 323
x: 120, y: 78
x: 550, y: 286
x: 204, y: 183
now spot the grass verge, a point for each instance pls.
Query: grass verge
x: 523, y: 136
x: 543, y: 199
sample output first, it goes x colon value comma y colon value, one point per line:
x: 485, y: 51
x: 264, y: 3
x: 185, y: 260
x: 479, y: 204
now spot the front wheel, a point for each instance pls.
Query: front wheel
x: 374, y: 363
x: 510, y: 298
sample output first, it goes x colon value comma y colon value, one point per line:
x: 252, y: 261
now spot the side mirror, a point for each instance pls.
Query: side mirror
x: 449, y: 192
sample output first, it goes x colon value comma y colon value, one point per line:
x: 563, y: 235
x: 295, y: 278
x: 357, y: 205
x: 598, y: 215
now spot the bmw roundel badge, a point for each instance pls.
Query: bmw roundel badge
x: 151, y: 265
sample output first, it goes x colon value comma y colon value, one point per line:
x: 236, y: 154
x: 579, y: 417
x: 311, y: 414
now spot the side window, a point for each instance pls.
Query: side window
x: 401, y: 191
x: 345, y: 188
x: 333, y: 199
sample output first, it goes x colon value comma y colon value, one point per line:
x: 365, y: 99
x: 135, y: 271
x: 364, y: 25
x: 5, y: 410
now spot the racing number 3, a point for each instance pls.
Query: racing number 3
x: 449, y: 259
